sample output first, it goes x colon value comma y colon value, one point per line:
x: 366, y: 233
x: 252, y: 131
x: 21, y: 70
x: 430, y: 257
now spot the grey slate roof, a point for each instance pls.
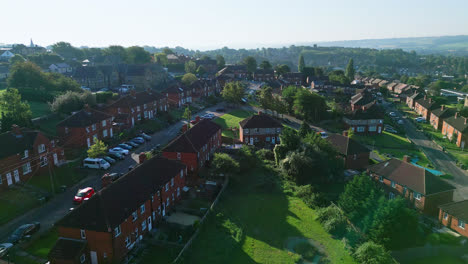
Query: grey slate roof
x: 457, y: 209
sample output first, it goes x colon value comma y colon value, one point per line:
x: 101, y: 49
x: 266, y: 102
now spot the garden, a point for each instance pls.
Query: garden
x: 231, y: 120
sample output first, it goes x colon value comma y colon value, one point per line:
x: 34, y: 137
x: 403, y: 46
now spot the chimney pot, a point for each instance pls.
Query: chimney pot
x: 406, y: 159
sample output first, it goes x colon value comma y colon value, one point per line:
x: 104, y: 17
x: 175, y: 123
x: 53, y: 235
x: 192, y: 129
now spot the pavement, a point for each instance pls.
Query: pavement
x: 60, y: 204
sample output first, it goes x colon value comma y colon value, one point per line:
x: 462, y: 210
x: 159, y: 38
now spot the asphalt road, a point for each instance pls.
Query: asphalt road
x: 60, y: 204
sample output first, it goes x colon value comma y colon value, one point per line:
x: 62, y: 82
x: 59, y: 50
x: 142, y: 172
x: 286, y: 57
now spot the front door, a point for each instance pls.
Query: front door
x: 94, y: 257
x: 149, y: 224
x: 380, y: 129
x: 251, y: 141
x: 273, y: 140
x: 17, y: 179
x: 55, y: 159
x: 88, y: 140
x: 9, y: 179
x: 133, y: 121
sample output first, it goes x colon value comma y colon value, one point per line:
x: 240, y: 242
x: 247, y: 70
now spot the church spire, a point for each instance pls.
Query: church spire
x: 31, y: 44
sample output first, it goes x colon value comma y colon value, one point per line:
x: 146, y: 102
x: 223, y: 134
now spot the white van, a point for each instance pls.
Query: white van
x: 96, y: 164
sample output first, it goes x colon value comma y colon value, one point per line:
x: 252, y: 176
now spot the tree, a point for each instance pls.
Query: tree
x: 372, y: 253
x: 282, y: 69
x: 189, y: 78
x: 338, y: 77
x: 167, y: 51
x: 301, y: 63
x: 161, y: 58
x: 223, y: 163
x: 350, y: 72
x: 250, y: 63
x: 220, y: 62
x: 14, y: 111
x: 67, y: 51
x: 98, y: 149
x: 290, y: 139
x: 298, y: 166
x: 304, y: 129
x: 190, y: 67
x: 266, y: 98
x: 265, y: 65
x: 187, y: 115
x: 288, y: 94
x: 201, y: 70
x: 311, y: 106
x: 115, y: 54
x: 233, y: 92
x: 137, y: 55
x: 72, y: 101
x: 17, y: 59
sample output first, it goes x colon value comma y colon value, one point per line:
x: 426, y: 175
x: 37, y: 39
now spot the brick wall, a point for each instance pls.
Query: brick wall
x: 452, y: 223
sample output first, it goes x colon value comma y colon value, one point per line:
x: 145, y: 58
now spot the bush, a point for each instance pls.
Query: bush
x: 371, y: 253
x: 309, y: 197
x: 247, y: 159
x: 72, y: 101
x: 223, y: 163
x: 265, y: 154
x: 103, y: 97
x: 333, y: 220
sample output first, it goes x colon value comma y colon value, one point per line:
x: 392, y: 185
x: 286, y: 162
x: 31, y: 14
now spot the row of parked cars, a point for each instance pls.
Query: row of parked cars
x: 22, y: 233
x: 117, y: 153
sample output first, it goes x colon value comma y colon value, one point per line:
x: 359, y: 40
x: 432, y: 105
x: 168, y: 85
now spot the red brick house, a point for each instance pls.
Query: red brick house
x: 84, y: 128
x: 116, y: 218
x: 369, y: 121
x: 136, y: 106
x: 422, y: 189
x: 355, y: 155
x: 400, y: 88
x: 455, y: 216
x: 424, y: 106
x: 456, y: 127
x: 195, y: 146
x: 391, y: 86
x: 293, y: 78
x: 179, y: 95
x: 24, y: 153
x: 260, y: 128
x: 411, y: 100
x: 438, y: 116
x: 234, y: 72
x: 264, y: 75
x: 363, y: 100
x: 69, y: 251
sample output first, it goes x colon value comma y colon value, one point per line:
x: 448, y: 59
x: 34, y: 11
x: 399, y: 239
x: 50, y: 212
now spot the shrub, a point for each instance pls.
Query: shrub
x: 103, y: 97
x: 310, y: 197
x: 247, y: 159
x: 372, y: 253
x: 72, y: 101
x: 265, y: 154
x: 223, y: 163
x: 333, y: 220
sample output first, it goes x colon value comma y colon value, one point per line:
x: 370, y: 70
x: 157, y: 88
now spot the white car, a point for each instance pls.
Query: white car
x: 4, y: 248
x: 96, y: 164
x: 420, y: 119
x: 323, y: 134
x: 392, y: 114
x: 119, y: 151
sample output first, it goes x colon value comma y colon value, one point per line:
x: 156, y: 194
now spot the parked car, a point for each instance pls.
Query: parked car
x: 97, y: 163
x: 22, y: 232
x: 114, y: 176
x: 400, y: 122
x: 220, y: 110
x: 109, y: 159
x: 390, y: 129
x: 392, y: 114
x: 420, y: 119
x: 116, y: 156
x: 145, y: 136
x: 193, y: 122
x: 138, y: 140
x: 323, y: 134
x: 125, y: 146
x: 132, y: 143
x: 208, y: 116
x: 4, y: 248
x: 83, y: 195
x: 119, y: 150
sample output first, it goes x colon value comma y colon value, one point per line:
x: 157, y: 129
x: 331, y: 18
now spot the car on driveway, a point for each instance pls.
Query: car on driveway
x: 83, y: 195
x: 4, y: 248
x: 119, y: 151
x: 133, y: 144
x: 22, y: 232
x: 420, y: 119
x: 392, y: 114
x: 145, y: 136
x: 109, y: 159
x: 138, y: 140
x: 116, y: 156
x: 124, y: 146
x: 323, y: 134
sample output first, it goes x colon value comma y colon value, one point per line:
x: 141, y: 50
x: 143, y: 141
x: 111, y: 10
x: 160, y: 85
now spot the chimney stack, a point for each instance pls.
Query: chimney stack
x: 345, y: 133
x: 430, y: 100
x: 442, y: 108
x: 406, y: 159
x: 456, y: 115
x: 425, y: 97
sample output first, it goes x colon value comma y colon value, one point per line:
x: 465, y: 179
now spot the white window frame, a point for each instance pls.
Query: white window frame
x: 82, y: 258
x: 167, y: 187
x: 26, y: 154
x: 104, y: 133
x: 393, y: 184
x: 28, y: 168
x: 172, y: 182
x: 143, y: 225
x: 178, y: 191
x: 93, y: 127
x: 83, y: 233
x: 134, y: 216
x: 142, y: 209
x: 461, y: 224
x: 445, y: 216
x: 117, y: 231
x: 41, y: 148
x: 181, y: 173
x: 104, y: 123
x: 417, y: 196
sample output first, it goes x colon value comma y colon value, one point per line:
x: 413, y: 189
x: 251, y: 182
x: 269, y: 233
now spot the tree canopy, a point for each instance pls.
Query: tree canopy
x: 251, y: 63
x: 14, y: 111
x: 233, y: 92
x: 97, y: 150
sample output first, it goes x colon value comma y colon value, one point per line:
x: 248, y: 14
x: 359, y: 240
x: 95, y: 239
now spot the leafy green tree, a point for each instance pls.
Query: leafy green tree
x: 223, y: 163
x: 372, y: 253
x: 289, y: 94
x: 190, y: 67
x: 338, y: 77
x: 67, y: 51
x: 115, y: 54
x: 187, y: 115
x: 26, y: 75
x: 266, y: 98
x: 266, y: 65
x: 72, y: 101
x: 220, y: 62
x: 137, y: 55
x: 201, y: 70
x: 282, y: 69
x: 98, y: 149
x: 233, y: 92
x: 17, y: 59
x: 161, y: 58
x: 301, y: 63
x: 251, y: 63
x: 311, y: 106
x: 189, y: 78
x: 304, y: 129
x: 290, y: 139
x: 167, y: 51
x: 14, y: 111
x: 350, y: 72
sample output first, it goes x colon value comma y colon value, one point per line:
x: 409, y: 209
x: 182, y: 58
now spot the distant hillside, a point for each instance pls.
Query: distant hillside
x: 456, y: 45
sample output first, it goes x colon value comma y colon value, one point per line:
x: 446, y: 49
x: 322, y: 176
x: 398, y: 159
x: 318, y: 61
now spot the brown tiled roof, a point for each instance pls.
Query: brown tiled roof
x: 67, y: 249
x: 193, y: 139
x: 392, y: 85
x: 260, y: 121
x: 459, y: 123
x: 457, y: 209
x: 417, y: 95
x: 84, y: 118
x: 362, y: 98
x: 427, y: 103
x: 373, y: 112
x: 176, y: 88
x: 406, y: 174
x: 109, y: 207
x: 140, y: 98
x: 446, y: 112
x: 346, y: 145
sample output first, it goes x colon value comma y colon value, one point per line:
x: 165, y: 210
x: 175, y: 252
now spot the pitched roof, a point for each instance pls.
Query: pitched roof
x: 193, y: 139
x: 12, y: 144
x: 260, y: 121
x: 373, y: 112
x: 392, y: 85
x: 415, y: 178
x: 137, y: 99
x: 67, y: 249
x: 401, y: 86
x: 346, y: 145
x: 264, y: 71
x: 457, y: 209
x: 84, y: 118
x: 362, y: 98
x: 417, y: 95
x: 233, y: 69
x: 292, y: 75
x: 175, y: 88
x: 427, y: 103
x: 458, y: 122
x: 109, y: 207
x: 444, y: 113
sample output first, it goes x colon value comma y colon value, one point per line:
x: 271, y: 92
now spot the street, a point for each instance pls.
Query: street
x: 60, y: 204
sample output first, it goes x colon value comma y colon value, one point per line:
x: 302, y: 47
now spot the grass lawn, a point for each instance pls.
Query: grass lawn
x: 231, y: 119
x: 39, y: 108
x: 252, y: 226
x: 14, y: 202
x: 41, y: 246
x: 159, y: 253
x: 66, y: 175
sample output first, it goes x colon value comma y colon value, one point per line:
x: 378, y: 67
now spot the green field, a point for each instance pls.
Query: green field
x: 252, y: 226
x: 231, y: 120
x: 37, y: 108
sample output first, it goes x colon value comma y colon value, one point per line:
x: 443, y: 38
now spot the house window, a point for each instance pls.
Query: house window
x: 173, y: 197
x: 26, y: 168
x: 104, y: 123
x: 83, y: 258
x: 393, y: 184
x: 178, y: 155
x: 461, y: 224
x: 93, y: 127
x: 104, y: 133
x: 87, y: 129
x: 83, y: 234
x: 246, y: 131
x: 142, y: 209
x: 138, y: 108
x: 26, y: 154
x: 178, y: 191
x: 167, y: 202
x: 66, y: 130
x: 380, y: 179
x: 133, y: 110
x: 182, y: 173
x: 44, y: 161
x: 278, y: 130
x: 172, y: 182
x: 159, y: 209
x: 268, y: 139
x: 134, y: 216
x: 372, y: 128
x: 139, y: 116
x: 445, y: 216
x: 117, y: 231
x: 167, y: 187
x: 41, y: 148
x: 146, y: 114
x: 143, y: 226
x: 360, y: 129
x: 144, y: 106
x: 417, y: 196
x: 127, y: 241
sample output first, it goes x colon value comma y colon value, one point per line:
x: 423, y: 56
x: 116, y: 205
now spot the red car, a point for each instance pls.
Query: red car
x: 83, y: 195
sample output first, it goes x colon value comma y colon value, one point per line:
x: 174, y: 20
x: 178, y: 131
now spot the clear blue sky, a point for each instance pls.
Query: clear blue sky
x: 202, y: 24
